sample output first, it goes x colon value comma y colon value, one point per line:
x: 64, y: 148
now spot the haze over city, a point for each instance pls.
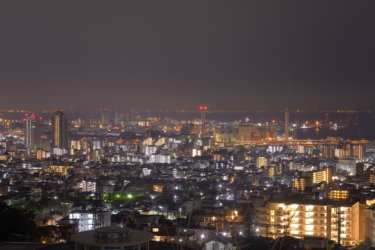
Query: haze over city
x: 187, y: 125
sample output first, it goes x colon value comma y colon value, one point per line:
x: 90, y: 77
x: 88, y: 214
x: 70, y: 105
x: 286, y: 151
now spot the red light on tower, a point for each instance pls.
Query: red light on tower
x: 203, y: 110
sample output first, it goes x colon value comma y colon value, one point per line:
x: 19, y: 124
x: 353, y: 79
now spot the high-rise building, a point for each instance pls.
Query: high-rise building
x: 90, y: 219
x: 301, y: 183
x: 323, y: 175
x: 248, y: 132
x: 262, y: 161
x: 338, y: 152
x: 286, y: 132
x: 328, y: 151
x: 347, y: 150
x: 359, y: 151
x: 370, y: 225
x: 32, y: 132
x: 60, y: 129
x: 342, y: 222
x: 203, y: 131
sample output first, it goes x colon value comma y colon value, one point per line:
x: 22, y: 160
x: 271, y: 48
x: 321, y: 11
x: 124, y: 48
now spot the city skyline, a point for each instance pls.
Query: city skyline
x: 179, y: 55
x: 145, y: 125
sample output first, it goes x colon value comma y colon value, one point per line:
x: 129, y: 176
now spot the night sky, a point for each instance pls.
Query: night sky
x: 180, y: 54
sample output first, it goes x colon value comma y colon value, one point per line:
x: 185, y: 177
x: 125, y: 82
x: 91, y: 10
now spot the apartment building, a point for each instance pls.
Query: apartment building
x: 312, y: 218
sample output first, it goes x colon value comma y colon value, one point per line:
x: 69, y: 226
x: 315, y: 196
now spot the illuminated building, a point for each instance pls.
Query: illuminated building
x: 97, y: 144
x: 32, y: 132
x: 60, y: 130
x: 271, y: 171
x: 87, y: 186
x: 266, y: 132
x: 158, y: 188
x: 219, y: 219
x: 41, y: 154
x: 338, y: 194
x: 301, y: 183
x: 262, y: 162
x: 248, y: 133
x: 58, y: 169
x: 4, y: 157
x: 359, y: 151
x: 75, y: 145
x: 149, y: 150
x: 148, y: 142
x: 347, y: 150
x: 196, y: 152
x: 323, y: 175
x: 300, y: 149
x: 274, y: 149
x: 225, y: 134
x: 89, y: 220
x: 301, y: 167
x: 370, y: 224
x: 96, y: 155
x: 243, y: 133
x: 328, y: 151
x: 143, y: 123
x: 338, y: 152
x: 161, y: 141
x: 59, y: 151
x: 352, y: 221
x: 370, y: 202
x: 218, y: 157
x: 81, y: 144
x: 348, y: 165
x: 312, y: 218
x: 160, y: 158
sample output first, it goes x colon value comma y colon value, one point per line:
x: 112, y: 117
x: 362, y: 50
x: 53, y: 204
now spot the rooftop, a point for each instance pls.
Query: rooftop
x: 132, y: 237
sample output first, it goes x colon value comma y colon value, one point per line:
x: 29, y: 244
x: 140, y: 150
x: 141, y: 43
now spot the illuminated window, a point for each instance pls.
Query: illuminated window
x: 294, y: 206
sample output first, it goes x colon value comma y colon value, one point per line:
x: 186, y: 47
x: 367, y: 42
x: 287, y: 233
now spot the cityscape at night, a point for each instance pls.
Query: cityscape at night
x: 184, y: 125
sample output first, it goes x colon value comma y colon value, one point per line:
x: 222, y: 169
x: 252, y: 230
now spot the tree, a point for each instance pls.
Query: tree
x: 16, y: 221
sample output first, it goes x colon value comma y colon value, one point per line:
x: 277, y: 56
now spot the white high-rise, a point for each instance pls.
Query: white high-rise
x: 32, y: 132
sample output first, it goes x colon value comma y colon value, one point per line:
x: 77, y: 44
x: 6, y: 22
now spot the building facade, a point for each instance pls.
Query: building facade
x: 60, y: 130
x: 313, y: 218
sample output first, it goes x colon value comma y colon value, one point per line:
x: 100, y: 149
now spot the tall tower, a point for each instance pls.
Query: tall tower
x: 60, y: 129
x: 203, y: 110
x: 286, y: 132
x: 32, y: 132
